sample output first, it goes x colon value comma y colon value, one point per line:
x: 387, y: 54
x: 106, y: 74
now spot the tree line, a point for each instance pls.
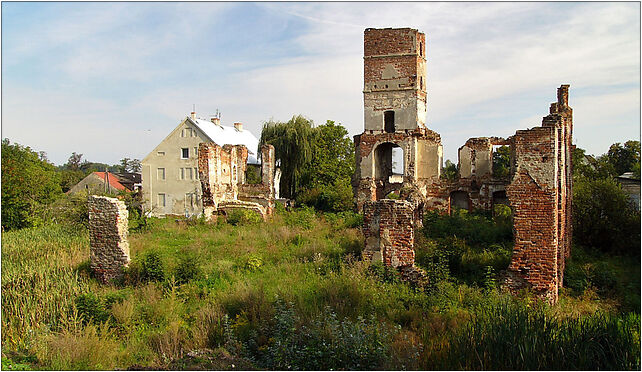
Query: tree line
x: 31, y: 184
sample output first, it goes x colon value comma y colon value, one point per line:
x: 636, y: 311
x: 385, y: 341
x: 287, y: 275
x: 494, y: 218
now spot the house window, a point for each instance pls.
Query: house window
x: 185, y: 153
x: 160, y: 172
x: 182, y: 132
x: 161, y: 153
x: 195, y: 173
x: 161, y: 200
x: 182, y: 174
x: 189, y: 173
x: 189, y: 200
x: 195, y: 151
x: 389, y: 121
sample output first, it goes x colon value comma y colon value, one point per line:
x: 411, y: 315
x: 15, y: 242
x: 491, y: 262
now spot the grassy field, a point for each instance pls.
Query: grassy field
x: 293, y: 294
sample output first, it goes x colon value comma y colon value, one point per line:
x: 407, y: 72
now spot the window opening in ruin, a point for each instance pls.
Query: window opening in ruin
x: 389, y: 163
x: 253, y: 174
x: 421, y: 49
x: 459, y: 200
x: 389, y: 121
x: 185, y: 153
x: 500, y: 203
x: 421, y: 82
x: 501, y: 162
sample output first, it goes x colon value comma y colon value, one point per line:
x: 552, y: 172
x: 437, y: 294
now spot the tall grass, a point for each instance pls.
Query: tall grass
x: 40, y: 281
x: 515, y: 337
x: 289, y: 293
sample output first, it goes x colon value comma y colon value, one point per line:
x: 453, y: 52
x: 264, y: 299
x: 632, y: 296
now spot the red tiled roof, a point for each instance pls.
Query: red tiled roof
x: 113, y: 181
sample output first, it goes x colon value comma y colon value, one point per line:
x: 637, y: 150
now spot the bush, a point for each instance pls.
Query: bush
x: 384, y: 273
x: 152, y: 268
x: 302, y: 217
x: 241, y: 216
x: 186, y: 270
x: 325, y: 343
x: 604, y: 218
x: 91, y: 309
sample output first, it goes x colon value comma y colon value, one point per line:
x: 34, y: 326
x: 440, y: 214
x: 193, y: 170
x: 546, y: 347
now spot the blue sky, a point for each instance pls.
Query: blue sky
x: 111, y: 80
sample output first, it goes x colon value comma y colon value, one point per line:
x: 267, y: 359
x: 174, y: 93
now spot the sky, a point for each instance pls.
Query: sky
x: 111, y: 80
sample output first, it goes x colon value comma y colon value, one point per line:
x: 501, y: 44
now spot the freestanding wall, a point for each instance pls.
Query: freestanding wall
x: 389, y: 232
x: 541, y: 194
x: 109, y: 248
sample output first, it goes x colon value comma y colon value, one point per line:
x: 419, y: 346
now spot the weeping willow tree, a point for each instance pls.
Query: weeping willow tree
x: 292, y: 143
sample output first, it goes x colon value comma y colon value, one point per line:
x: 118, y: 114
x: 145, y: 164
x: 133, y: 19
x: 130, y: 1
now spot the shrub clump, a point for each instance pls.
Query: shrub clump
x: 243, y: 217
x: 152, y: 267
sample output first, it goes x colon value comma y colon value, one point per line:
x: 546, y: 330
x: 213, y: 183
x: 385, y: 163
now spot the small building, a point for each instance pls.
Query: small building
x: 170, y: 178
x: 631, y: 186
x: 101, y: 182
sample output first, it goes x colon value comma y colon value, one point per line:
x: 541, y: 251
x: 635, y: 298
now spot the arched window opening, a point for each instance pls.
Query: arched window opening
x: 389, y: 121
x: 459, y: 200
x: 389, y: 163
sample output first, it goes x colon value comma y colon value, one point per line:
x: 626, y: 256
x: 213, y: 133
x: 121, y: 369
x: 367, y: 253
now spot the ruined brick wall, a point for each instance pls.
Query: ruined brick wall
x: 266, y: 192
x: 222, y: 175
x: 540, y: 194
x: 109, y: 248
x: 389, y: 232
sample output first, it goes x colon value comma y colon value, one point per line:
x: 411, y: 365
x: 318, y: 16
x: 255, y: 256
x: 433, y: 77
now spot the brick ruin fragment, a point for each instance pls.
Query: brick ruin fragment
x: 222, y: 174
x: 538, y: 188
x: 109, y: 248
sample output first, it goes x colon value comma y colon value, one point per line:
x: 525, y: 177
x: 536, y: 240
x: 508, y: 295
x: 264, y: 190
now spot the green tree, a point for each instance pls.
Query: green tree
x: 450, y: 171
x: 624, y: 157
x: 332, y: 155
x: 327, y: 182
x: 501, y: 162
x: 28, y: 184
x: 604, y: 218
x: 292, y: 143
x: 69, y: 178
x: 74, y: 162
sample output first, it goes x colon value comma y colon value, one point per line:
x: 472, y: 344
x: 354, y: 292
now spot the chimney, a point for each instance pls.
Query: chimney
x: 216, y: 120
x: 193, y: 115
x: 238, y: 126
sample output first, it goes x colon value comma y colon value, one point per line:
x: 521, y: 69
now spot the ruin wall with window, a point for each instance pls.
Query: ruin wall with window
x: 537, y: 187
x: 222, y: 175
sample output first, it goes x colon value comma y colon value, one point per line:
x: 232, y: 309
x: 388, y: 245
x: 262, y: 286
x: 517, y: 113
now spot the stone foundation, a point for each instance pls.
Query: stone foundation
x: 109, y: 248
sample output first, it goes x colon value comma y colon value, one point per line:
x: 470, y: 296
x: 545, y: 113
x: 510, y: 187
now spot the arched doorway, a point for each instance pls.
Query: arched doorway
x: 389, y: 167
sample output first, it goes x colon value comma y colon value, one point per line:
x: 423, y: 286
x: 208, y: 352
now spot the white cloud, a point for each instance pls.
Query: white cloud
x: 478, y: 54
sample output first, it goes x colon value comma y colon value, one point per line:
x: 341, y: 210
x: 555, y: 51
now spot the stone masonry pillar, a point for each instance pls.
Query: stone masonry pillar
x: 109, y: 248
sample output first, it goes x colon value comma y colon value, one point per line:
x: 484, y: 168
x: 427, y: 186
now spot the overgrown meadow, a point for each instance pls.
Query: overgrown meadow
x: 292, y: 293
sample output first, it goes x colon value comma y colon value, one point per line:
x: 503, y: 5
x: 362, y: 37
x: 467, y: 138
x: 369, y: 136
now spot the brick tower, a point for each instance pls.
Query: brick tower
x: 394, y: 95
x: 394, y: 81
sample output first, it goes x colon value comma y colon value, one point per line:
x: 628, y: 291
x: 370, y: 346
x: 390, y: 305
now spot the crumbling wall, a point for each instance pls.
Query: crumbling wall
x: 109, y: 248
x: 222, y: 174
x: 540, y: 195
x: 389, y: 232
